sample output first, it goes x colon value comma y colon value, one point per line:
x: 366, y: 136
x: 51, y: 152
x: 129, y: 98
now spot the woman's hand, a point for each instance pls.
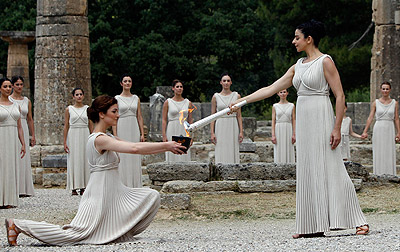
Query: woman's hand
x: 364, y: 135
x: 293, y: 138
x: 22, y: 153
x: 142, y: 139
x: 33, y: 141
x: 164, y: 139
x: 240, y: 137
x: 273, y: 139
x: 66, y: 149
x: 213, y: 138
x: 176, y: 148
x: 335, y: 138
x: 397, y: 138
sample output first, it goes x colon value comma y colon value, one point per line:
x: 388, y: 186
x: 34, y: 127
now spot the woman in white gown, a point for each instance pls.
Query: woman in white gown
x: 171, y: 125
x: 226, y: 131
x: 76, y: 131
x: 325, y: 195
x: 109, y: 211
x: 11, y: 151
x: 283, y: 129
x: 25, y: 171
x: 384, y: 137
x: 129, y: 128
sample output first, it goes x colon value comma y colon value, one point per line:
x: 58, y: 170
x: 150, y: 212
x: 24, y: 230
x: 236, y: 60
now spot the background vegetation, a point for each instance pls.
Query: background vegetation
x: 158, y: 41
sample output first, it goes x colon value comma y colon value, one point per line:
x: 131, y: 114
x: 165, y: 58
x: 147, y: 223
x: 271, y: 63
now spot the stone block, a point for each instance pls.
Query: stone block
x: 61, y: 7
x: 361, y: 113
x: 356, y: 171
x: 51, y: 150
x: 153, y: 158
x: 55, y: 161
x: 265, y: 150
x: 383, y: 11
x: 165, y: 171
x: 357, y: 184
x: 190, y: 186
x: 248, y: 157
x: 361, y: 153
x: 176, y: 201
x: 247, y: 145
x: 62, y: 26
x: 35, y: 156
x: 145, y: 106
x: 54, y: 179
x: 165, y: 91
x: 200, y: 152
x: 264, y: 123
x: 37, y: 176
x: 383, y: 179
x: 255, y: 171
x: 249, y: 127
x: 268, y: 186
x: 156, y: 105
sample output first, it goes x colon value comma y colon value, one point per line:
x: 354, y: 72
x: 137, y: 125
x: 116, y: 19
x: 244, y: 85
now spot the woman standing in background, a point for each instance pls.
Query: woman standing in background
x: 129, y: 128
x: 227, y: 131
x: 76, y: 131
x: 283, y: 129
x: 25, y: 171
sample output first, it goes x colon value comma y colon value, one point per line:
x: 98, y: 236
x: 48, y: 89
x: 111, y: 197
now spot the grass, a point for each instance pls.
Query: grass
x: 373, y: 200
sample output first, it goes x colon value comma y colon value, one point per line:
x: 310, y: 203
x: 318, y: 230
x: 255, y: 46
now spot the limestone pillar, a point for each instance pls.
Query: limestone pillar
x: 385, y: 59
x: 18, y: 61
x: 61, y: 63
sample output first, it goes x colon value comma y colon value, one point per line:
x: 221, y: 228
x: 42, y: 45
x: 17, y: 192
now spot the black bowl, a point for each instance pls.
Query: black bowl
x: 185, y: 141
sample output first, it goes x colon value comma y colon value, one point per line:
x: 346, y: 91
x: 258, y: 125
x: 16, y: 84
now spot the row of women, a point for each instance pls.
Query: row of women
x: 325, y: 196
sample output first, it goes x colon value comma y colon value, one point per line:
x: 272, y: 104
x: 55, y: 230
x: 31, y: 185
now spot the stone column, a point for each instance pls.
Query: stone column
x: 385, y: 59
x: 18, y: 61
x: 62, y: 62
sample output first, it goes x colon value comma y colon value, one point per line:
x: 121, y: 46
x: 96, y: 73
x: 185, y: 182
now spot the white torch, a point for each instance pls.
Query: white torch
x: 207, y: 120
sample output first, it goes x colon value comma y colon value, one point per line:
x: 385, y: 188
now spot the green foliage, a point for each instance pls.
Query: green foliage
x: 358, y: 95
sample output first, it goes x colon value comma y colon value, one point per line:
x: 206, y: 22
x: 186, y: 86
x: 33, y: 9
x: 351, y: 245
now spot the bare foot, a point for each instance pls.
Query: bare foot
x: 363, y: 230
x: 12, y: 232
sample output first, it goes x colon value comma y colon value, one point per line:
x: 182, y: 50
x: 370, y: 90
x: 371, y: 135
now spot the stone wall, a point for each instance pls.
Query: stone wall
x: 62, y: 62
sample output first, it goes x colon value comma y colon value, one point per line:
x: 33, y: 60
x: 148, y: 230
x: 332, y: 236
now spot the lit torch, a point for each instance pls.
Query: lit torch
x: 185, y: 141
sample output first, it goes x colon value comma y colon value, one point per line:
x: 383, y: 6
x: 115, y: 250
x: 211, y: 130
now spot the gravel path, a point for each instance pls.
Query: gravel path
x: 57, y: 206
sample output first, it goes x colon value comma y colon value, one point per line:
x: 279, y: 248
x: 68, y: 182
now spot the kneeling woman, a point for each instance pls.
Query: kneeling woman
x: 108, y: 211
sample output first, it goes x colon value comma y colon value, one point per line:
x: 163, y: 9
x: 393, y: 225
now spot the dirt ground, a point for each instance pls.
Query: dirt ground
x: 373, y: 200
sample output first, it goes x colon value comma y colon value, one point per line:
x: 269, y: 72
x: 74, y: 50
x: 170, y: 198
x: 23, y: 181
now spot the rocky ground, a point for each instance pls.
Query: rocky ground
x: 223, y: 222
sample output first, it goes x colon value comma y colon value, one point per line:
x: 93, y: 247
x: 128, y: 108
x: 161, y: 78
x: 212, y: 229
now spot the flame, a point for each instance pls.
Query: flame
x: 182, y: 118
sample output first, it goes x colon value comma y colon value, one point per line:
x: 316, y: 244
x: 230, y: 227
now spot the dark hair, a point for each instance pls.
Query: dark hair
x: 123, y: 76
x: 16, y: 78
x: 101, y: 104
x: 75, y: 89
x: 313, y: 28
x: 224, y: 74
x: 386, y: 83
x: 2, y: 80
x: 176, y: 81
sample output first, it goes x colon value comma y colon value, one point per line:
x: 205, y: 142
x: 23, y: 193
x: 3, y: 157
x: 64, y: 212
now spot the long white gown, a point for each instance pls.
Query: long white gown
x: 130, y: 167
x: 9, y: 155
x: 325, y: 195
x: 226, y: 132
x: 77, y: 166
x: 383, y: 139
x: 108, y: 212
x: 25, y: 171
x: 344, y: 142
x: 284, y: 149
x: 175, y: 128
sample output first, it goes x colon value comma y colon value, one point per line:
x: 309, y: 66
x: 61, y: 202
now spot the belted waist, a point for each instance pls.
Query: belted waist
x: 75, y: 126
x: 126, y: 115
x: 228, y: 116
x: 173, y: 119
x: 312, y: 93
x: 384, y: 119
x: 8, y: 125
x: 283, y: 122
x: 100, y: 168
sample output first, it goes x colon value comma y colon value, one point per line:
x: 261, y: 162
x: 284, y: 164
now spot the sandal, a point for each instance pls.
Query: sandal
x: 74, y: 192
x: 81, y: 191
x: 363, y: 230
x: 314, y: 235
x: 11, y: 242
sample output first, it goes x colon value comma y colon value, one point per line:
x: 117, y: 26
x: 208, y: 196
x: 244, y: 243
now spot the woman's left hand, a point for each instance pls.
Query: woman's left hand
x: 397, y: 138
x: 240, y: 137
x: 142, y: 139
x: 335, y: 138
x: 293, y: 138
x: 33, y: 141
x: 22, y: 151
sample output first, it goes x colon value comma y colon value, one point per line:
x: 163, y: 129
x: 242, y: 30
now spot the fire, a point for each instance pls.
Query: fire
x: 182, y: 118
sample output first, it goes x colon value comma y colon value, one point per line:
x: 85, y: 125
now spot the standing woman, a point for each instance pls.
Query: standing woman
x: 283, y: 129
x: 25, y: 171
x: 76, y: 132
x: 227, y: 131
x: 108, y: 211
x: 384, y: 138
x: 10, y: 151
x: 325, y: 196
x: 170, y: 119
x: 129, y: 128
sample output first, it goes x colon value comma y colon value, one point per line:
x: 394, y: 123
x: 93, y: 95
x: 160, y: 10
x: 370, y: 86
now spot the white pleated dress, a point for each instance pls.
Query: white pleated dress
x: 108, y: 212
x: 130, y: 167
x: 325, y: 195
x: 284, y: 149
x: 77, y: 165
x: 25, y: 171
x: 383, y: 139
x: 9, y: 155
x: 226, y: 132
x: 345, y: 141
x: 175, y: 128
